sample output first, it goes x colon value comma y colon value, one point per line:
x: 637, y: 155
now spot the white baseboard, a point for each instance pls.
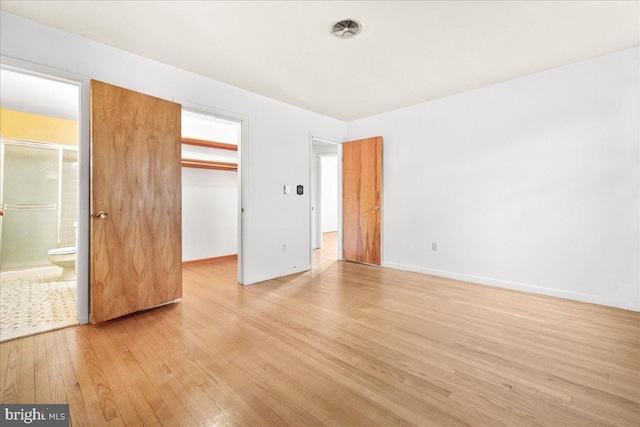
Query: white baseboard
x: 576, y: 296
x: 275, y: 275
x: 261, y: 278
x: 295, y: 269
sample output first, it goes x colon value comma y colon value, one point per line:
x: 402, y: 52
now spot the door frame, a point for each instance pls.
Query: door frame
x: 82, y: 245
x: 315, y: 137
x: 243, y: 153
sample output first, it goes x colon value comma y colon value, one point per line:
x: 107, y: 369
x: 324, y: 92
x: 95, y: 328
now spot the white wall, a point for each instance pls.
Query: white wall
x: 329, y: 193
x: 529, y: 184
x: 199, y: 125
x: 209, y: 197
x: 278, y: 140
x: 209, y: 213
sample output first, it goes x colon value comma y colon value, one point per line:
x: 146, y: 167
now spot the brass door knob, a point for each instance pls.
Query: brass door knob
x: 101, y: 215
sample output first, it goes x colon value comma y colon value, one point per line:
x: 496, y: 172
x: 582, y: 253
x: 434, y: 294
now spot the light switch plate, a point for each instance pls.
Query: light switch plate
x: 287, y: 189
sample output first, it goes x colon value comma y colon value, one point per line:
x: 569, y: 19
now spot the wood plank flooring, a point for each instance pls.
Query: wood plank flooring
x: 342, y: 345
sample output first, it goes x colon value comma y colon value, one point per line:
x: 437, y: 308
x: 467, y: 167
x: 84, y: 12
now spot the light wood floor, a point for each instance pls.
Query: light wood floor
x: 344, y: 345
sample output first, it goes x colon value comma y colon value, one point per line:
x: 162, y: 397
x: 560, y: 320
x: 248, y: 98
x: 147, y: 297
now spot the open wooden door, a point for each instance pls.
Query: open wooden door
x: 362, y: 200
x: 136, y: 241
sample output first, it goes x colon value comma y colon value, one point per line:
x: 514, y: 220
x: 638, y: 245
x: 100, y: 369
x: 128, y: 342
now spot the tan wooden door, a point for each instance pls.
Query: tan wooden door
x: 136, y: 241
x: 362, y: 200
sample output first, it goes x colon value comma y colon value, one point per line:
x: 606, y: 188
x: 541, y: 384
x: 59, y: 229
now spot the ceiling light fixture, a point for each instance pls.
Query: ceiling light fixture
x: 346, y: 28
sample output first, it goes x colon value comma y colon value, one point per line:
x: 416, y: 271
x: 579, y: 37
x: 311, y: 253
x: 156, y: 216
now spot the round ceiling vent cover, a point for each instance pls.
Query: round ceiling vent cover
x: 346, y: 28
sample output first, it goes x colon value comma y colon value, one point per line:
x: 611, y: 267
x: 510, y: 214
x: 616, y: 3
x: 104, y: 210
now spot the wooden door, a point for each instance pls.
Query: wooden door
x: 362, y: 200
x: 136, y: 241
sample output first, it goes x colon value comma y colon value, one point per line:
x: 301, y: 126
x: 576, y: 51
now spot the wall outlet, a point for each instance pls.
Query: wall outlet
x: 284, y: 247
x: 434, y: 246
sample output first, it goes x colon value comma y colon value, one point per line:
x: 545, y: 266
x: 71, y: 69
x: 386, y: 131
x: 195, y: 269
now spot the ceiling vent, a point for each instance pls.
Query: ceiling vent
x: 346, y: 28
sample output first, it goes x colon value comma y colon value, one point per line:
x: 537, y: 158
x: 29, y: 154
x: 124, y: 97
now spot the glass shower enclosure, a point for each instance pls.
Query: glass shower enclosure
x: 30, y: 190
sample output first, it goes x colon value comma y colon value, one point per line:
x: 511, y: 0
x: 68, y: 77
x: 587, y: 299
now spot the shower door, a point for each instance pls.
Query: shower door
x: 30, y: 194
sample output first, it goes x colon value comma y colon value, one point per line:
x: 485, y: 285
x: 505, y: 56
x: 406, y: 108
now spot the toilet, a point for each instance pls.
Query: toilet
x: 65, y: 258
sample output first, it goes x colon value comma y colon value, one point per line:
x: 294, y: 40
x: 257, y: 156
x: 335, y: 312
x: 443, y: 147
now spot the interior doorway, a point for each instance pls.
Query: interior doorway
x: 39, y: 202
x: 328, y: 199
x: 325, y: 198
x: 211, y: 188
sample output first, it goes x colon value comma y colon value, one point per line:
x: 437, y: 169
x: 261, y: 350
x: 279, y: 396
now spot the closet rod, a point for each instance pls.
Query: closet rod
x: 210, y: 144
x: 208, y: 164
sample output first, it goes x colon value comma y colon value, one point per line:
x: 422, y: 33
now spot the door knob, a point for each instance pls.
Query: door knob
x: 101, y: 215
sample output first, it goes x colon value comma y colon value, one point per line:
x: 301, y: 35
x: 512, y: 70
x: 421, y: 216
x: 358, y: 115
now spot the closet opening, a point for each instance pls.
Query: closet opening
x: 210, y: 192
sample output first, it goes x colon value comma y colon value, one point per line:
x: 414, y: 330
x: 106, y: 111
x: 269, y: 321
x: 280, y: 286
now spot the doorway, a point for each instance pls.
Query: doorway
x: 211, y: 188
x: 359, y: 236
x: 325, y: 199
x: 328, y: 201
x: 39, y: 193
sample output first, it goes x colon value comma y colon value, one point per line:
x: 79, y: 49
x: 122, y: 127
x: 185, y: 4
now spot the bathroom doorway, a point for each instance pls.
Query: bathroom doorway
x: 39, y: 128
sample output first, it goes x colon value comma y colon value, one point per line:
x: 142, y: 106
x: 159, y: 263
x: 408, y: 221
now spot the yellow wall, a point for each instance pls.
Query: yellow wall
x: 34, y: 127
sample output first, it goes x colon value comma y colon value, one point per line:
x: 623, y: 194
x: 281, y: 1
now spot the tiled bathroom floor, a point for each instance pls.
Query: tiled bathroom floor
x: 32, y: 305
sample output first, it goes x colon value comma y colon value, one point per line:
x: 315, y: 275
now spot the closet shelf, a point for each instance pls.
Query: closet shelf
x: 210, y: 144
x: 209, y: 164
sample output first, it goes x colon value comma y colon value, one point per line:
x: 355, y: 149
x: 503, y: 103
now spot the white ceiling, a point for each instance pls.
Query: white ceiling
x: 407, y: 53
